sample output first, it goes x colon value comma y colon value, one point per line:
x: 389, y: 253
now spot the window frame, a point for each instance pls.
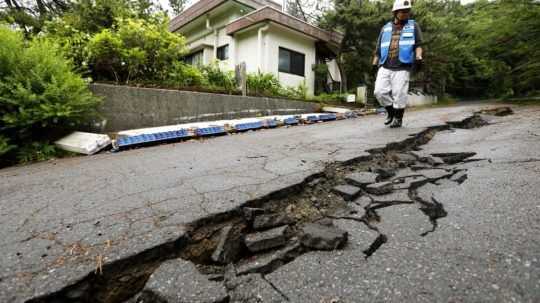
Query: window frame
x: 291, y: 66
x: 226, y: 47
x: 193, y: 56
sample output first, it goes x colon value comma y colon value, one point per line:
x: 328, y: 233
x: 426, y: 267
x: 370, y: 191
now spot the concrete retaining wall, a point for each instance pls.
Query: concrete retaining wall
x: 130, y: 107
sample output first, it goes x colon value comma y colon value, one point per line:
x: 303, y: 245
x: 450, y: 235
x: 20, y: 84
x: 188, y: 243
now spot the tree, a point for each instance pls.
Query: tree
x: 307, y: 10
x: 31, y: 15
x: 178, y: 6
x: 485, y: 49
x: 135, y: 49
x: 360, y: 21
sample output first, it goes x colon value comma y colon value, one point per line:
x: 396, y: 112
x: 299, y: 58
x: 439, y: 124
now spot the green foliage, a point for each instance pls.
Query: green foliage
x: 30, y: 15
x: 184, y: 75
x: 298, y: 92
x: 72, y: 40
x: 89, y: 16
x: 92, y: 16
x: 263, y: 84
x: 36, y: 151
x: 39, y: 93
x: 134, y: 50
x: 178, y: 6
x: 217, y: 78
x: 321, y: 70
x: 485, y: 49
x: 5, y: 146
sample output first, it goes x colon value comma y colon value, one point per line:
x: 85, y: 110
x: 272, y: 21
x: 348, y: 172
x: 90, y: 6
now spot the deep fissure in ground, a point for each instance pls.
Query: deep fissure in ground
x: 316, y: 200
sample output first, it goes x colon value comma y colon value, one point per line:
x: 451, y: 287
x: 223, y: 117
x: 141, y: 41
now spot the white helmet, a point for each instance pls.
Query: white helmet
x: 401, y: 4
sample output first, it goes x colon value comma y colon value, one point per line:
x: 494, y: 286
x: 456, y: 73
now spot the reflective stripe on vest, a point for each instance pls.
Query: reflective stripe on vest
x: 406, y: 43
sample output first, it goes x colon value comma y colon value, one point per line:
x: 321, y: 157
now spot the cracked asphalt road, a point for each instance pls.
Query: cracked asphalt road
x: 485, y: 250
x: 59, y: 219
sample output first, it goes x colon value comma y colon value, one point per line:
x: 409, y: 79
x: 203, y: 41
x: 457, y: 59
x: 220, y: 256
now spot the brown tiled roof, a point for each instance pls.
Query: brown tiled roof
x: 203, y: 6
x: 270, y: 14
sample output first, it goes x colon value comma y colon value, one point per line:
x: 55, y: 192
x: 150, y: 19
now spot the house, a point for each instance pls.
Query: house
x: 260, y: 34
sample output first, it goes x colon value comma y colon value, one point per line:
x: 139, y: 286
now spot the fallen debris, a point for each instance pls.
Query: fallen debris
x: 260, y: 241
x: 266, y: 221
x: 83, y: 143
x: 362, y: 179
x: 380, y: 188
x: 251, y: 212
x: 348, y: 192
x: 268, y: 262
x: 499, y: 111
x: 322, y: 237
x: 179, y: 281
x: 229, y: 246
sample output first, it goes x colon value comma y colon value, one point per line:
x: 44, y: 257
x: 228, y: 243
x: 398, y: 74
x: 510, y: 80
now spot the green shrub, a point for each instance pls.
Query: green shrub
x: 184, y: 75
x: 298, y: 92
x: 72, y: 41
x: 265, y: 84
x: 36, y: 151
x: 5, y: 146
x: 214, y: 77
x: 40, y: 95
x: 135, y: 50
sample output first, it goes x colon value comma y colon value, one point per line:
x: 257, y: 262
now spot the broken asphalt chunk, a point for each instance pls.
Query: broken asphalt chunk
x: 250, y: 213
x: 407, y: 159
x: 268, y: 262
x: 259, y: 241
x: 434, y: 174
x: 409, y: 182
x: 229, y: 246
x: 267, y: 221
x: 398, y: 196
x: 435, y: 161
x: 380, y: 188
x: 426, y: 158
x: 348, y: 192
x: 459, y: 177
x: 362, y: 178
x: 453, y: 158
x: 322, y: 237
x: 179, y: 281
x: 500, y: 111
x: 384, y: 173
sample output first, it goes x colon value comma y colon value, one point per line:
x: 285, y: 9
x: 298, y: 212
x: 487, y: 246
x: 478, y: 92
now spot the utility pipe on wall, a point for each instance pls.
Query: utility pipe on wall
x: 260, y: 47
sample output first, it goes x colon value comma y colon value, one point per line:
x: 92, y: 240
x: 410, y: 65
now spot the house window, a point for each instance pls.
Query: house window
x: 195, y: 58
x: 223, y: 52
x: 291, y: 62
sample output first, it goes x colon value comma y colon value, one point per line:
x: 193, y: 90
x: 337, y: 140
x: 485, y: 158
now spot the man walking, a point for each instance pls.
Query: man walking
x: 398, y: 49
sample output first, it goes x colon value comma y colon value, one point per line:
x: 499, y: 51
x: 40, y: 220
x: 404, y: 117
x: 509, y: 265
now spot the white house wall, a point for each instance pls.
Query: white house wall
x: 280, y: 37
x: 244, y: 47
x: 203, y: 35
x: 246, y: 51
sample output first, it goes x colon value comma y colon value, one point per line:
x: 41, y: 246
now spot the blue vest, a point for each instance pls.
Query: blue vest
x: 406, y: 43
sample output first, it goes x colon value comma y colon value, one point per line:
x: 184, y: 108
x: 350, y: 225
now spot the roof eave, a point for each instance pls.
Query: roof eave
x: 268, y: 13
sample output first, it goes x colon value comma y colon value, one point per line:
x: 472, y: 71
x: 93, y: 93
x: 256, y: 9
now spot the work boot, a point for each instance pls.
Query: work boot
x: 389, y: 114
x: 398, y: 121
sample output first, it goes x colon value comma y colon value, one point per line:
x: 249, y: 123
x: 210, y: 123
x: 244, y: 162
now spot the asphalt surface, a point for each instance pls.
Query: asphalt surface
x: 59, y: 218
x: 484, y: 250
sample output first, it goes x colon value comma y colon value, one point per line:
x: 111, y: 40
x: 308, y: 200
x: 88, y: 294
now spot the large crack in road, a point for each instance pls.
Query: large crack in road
x: 236, y: 249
